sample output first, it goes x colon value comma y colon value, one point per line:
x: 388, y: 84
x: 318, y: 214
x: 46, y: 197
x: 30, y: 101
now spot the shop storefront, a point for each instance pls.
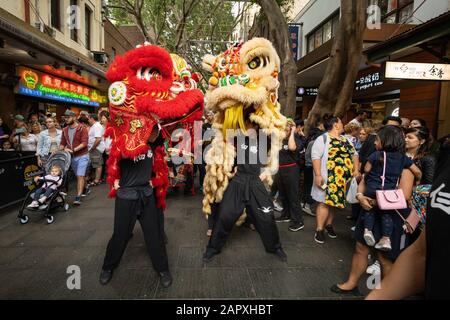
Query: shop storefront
x: 383, y: 96
x: 38, y: 91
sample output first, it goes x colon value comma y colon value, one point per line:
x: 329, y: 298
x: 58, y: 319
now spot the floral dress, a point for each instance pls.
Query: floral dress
x: 340, y: 169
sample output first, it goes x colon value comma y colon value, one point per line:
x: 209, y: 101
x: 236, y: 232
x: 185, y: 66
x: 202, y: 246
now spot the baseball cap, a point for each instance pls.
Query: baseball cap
x: 19, y: 117
x: 70, y: 113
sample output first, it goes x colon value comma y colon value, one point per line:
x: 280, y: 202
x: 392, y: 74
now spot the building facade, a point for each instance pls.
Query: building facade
x: 54, y: 55
x: 381, y: 96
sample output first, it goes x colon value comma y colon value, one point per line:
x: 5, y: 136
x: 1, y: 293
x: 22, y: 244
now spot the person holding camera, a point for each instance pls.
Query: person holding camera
x: 334, y: 161
x: 288, y: 178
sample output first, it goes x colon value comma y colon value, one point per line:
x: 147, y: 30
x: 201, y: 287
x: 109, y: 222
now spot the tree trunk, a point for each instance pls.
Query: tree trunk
x: 336, y: 89
x: 279, y: 35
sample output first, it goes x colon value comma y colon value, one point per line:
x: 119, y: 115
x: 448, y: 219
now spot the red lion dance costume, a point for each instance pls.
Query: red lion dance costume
x: 149, y: 87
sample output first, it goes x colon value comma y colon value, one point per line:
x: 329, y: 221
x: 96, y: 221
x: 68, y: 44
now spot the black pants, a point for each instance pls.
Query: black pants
x: 212, y: 218
x: 245, y: 192
x: 289, y: 192
x: 202, y: 173
x: 151, y: 220
x: 308, y: 172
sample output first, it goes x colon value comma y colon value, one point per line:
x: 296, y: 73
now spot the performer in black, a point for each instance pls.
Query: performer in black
x: 135, y: 201
x: 246, y: 191
x: 288, y: 179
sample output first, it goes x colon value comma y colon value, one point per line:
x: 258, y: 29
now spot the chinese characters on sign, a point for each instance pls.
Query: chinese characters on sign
x: 42, y: 85
x: 369, y: 81
x: 417, y: 71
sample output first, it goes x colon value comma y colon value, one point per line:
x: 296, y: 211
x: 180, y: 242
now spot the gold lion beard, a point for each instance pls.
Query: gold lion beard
x: 220, y: 157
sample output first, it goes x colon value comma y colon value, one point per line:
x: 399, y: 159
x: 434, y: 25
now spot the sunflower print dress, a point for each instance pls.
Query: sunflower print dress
x: 340, y: 169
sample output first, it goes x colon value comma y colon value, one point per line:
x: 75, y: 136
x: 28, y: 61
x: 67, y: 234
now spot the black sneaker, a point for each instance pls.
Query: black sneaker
x: 105, y: 276
x: 77, y: 201
x: 329, y: 229
x: 86, y: 192
x: 296, y: 226
x: 281, y: 254
x: 208, y: 256
x: 319, y: 237
x: 282, y: 218
x: 165, y: 278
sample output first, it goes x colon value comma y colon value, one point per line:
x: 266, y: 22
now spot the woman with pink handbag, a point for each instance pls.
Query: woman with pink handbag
x: 390, y: 139
x: 381, y: 176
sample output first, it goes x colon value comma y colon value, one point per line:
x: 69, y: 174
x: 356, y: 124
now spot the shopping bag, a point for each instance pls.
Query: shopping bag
x: 352, y: 191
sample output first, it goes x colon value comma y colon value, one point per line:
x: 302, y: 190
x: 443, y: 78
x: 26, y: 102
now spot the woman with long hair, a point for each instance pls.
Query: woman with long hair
x: 49, y: 141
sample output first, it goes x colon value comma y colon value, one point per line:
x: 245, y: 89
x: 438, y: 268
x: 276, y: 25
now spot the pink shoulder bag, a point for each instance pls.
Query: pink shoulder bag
x: 390, y: 199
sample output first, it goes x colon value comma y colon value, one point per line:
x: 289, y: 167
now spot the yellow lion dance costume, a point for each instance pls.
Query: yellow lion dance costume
x: 244, y: 86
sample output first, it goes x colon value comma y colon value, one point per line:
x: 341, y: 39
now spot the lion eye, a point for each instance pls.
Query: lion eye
x: 255, y: 63
x: 155, y: 74
x: 222, y: 63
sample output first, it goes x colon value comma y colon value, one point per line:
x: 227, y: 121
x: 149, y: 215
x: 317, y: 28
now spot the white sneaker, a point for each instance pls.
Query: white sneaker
x: 33, y: 204
x: 307, y: 209
x: 384, y: 245
x: 277, y: 206
x: 374, y: 269
x: 369, y: 238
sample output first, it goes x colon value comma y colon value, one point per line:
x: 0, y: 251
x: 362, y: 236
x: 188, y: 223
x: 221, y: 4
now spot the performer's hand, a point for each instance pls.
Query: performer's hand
x: 263, y: 176
x: 116, y: 184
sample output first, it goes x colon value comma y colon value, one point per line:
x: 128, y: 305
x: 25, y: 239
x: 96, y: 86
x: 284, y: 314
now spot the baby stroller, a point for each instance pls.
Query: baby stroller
x: 58, y: 198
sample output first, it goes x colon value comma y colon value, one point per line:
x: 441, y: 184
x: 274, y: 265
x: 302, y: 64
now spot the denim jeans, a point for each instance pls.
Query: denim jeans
x: 387, y: 225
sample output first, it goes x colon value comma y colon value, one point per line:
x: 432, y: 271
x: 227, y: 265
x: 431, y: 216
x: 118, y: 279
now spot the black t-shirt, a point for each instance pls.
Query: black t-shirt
x: 287, y: 156
x: 438, y: 234
x: 136, y: 172
x: 367, y: 148
x: 252, y: 153
x: 207, y: 133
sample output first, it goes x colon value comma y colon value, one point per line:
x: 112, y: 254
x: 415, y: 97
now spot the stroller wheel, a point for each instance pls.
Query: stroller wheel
x: 24, y: 219
x: 66, y: 207
x: 50, y: 219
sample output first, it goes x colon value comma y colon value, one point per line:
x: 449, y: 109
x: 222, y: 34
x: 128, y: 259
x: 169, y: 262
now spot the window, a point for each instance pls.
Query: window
x: 323, y: 33
x: 406, y: 13
x: 318, y: 38
x: 87, y: 27
x: 335, y: 25
x: 394, y: 11
x: 73, y: 27
x: 327, y: 32
x: 310, y: 44
x: 56, y: 14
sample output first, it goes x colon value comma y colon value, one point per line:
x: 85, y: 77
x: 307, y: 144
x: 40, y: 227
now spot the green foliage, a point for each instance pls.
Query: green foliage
x: 209, y: 20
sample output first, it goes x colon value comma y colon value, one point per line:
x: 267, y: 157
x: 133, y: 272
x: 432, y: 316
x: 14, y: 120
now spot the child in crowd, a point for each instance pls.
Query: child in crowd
x: 389, y: 140
x: 51, y: 182
x: 7, y: 146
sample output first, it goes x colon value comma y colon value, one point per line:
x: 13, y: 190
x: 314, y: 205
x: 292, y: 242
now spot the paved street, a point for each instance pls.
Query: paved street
x: 34, y: 257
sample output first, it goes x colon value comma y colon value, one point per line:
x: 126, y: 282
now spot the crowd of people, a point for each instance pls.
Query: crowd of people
x: 397, y: 154
x: 81, y: 135
x: 315, y: 171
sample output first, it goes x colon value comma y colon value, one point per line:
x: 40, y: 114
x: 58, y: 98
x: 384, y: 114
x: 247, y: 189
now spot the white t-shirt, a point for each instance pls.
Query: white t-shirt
x: 29, y: 143
x: 96, y: 131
